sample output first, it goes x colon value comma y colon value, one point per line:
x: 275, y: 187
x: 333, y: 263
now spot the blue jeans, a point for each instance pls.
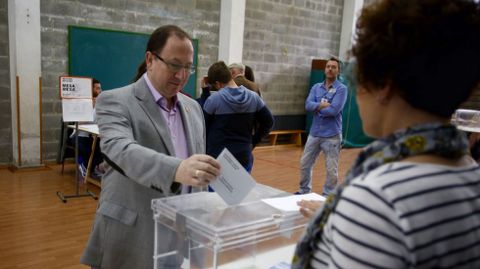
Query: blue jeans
x: 249, y: 166
x: 314, y: 146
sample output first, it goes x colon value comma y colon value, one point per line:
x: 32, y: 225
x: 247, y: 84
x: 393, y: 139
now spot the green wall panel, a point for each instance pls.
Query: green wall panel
x: 112, y: 56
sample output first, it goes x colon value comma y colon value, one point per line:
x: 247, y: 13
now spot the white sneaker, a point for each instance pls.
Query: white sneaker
x: 82, y: 170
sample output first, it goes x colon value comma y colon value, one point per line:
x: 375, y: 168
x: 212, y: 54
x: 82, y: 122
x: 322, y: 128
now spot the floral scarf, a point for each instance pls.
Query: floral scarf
x: 433, y: 138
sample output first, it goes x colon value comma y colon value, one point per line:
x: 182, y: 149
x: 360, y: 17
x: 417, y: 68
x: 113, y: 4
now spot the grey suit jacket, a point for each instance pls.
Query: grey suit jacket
x: 135, y: 138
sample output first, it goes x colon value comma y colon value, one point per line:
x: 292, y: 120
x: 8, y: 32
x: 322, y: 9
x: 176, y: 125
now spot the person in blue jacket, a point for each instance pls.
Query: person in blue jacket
x: 231, y: 114
x: 326, y: 100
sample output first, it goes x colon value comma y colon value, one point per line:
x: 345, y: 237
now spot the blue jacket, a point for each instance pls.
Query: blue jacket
x: 236, y: 118
x: 328, y: 121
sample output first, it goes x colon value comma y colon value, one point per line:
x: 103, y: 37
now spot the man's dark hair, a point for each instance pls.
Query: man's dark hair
x: 158, y: 40
x: 427, y: 51
x: 219, y: 72
x: 95, y: 81
x: 94, y: 93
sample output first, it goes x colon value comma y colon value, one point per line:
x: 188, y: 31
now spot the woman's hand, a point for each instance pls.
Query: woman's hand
x: 308, y: 207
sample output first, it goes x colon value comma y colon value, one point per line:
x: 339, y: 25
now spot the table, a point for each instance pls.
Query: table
x: 92, y: 129
x: 469, y: 129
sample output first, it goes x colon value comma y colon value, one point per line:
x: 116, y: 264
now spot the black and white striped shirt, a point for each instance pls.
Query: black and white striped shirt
x: 405, y: 215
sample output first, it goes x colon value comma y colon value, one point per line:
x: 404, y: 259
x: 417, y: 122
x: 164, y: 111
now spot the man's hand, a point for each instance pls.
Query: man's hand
x: 308, y: 207
x: 197, y: 170
x: 204, y: 82
x: 323, y: 105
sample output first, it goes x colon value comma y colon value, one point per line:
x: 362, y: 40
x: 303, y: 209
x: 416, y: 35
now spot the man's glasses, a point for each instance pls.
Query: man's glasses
x: 175, y: 67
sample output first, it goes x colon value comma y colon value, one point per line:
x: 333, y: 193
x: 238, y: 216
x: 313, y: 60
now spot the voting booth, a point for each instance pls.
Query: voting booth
x: 212, y: 234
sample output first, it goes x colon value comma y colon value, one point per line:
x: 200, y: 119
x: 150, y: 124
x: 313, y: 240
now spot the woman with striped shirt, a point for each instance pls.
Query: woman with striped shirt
x: 412, y: 198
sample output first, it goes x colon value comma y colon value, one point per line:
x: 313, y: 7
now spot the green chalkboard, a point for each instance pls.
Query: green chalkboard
x: 112, y: 56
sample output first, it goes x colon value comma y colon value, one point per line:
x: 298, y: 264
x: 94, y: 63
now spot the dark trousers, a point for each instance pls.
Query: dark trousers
x: 85, y: 149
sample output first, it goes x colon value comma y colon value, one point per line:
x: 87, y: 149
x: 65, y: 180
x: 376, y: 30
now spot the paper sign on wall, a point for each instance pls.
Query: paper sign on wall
x: 77, y: 109
x: 76, y: 94
x: 75, y: 87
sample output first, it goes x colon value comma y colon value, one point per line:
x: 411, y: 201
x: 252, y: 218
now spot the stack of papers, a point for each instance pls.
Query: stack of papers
x: 289, y: 203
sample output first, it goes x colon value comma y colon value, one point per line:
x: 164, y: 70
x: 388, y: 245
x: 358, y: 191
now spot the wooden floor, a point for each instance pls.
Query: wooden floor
x: 37, y: 230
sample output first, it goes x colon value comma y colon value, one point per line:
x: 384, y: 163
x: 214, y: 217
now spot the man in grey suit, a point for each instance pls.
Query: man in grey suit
x: 153, y: 139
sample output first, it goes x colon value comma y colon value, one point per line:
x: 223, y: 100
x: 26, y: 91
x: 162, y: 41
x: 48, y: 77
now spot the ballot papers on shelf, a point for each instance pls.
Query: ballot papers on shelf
x: 212, y: 234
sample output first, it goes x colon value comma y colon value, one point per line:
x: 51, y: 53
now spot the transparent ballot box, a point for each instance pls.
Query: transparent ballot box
x: 467, y: 120
x: 207, y: 233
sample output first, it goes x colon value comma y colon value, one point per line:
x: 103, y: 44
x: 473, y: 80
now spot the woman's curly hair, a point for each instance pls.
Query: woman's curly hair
x: 428, y: 51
